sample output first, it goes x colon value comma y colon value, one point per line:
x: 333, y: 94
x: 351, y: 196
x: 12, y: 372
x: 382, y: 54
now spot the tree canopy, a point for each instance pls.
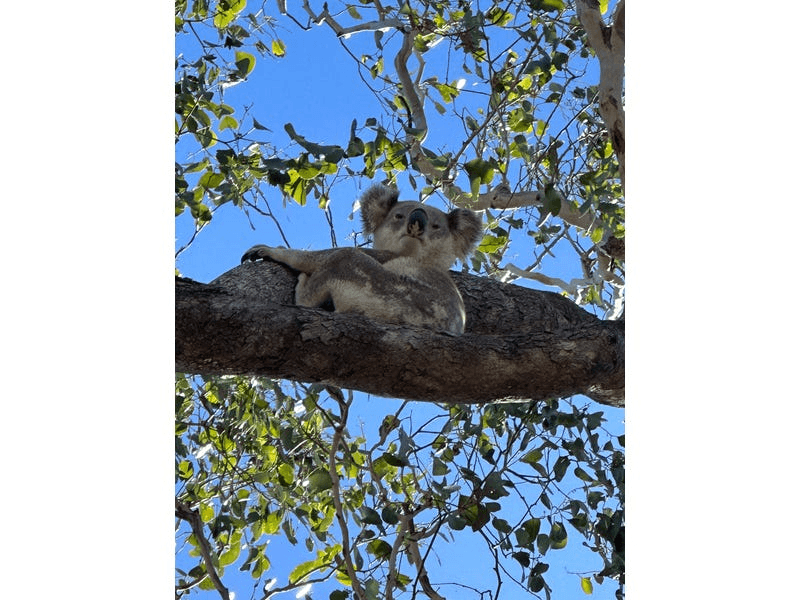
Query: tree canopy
x: 513, y: 109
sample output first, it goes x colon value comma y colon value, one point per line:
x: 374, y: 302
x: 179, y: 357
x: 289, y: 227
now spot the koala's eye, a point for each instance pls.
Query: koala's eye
x: 399, y: 216
x: 435, y: 226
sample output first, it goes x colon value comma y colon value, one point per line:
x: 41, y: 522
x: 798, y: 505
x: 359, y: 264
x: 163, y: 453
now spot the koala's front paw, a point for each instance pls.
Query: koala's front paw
x: 257, y: 252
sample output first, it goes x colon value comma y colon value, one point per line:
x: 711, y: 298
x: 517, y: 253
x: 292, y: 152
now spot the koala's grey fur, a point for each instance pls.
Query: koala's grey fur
x: 404, y: 279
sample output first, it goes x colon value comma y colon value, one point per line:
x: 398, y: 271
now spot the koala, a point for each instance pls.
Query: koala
x: 403, y: 279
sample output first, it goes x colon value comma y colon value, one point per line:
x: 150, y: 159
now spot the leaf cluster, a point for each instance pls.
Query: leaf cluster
x: 517, y: 78
x: 258, y: 461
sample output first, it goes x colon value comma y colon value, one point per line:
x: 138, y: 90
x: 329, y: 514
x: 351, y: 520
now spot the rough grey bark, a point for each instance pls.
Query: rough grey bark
x: 520, y: 344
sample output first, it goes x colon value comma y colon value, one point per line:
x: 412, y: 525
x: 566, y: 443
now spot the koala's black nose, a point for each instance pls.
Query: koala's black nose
x: 417, y: 222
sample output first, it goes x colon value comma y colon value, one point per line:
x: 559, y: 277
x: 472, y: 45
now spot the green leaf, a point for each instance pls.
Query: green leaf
x: 288, y: 530
x: 206, y: 512
x: 206, y: 584
x: 522, y: 558
x: 343, y: 578
x: 372, y: 589
x: 380, y: 549
x: 228, y: 122
x: 558, y: 536
x: 491, y: 243
x: 394, y: 460
x: 296, y: 187
x: 531, y: 527
x: 355, y: 147
x: 226, y: 12
x: 332, y: 154
x: 494, y: 486
x: 303, y: 570
x: 389, y: 515
x: 476, y: 515
x: 245, y: 63
x: 272, y: 523
x: 499, y: 16
x: 560, y: 468
x: 197, y: 166
x: 482, y: 170
x: 319, y: 481
x: 185, y: 469
x: 231, y: 554
x: 535, y: 583
x: 548, y: 5
x: 370, y: 516
x: 586, y: 586
x: 278, y: 48
x: 376, y: 69
x: 532, y: 457
x: 520, y: 121
x: 449, y: 91
x: 542, y: 543
x: 501, y: 525
x: 439, y: 468
x: 580, y: 522
x: 206, y: 138
x: 594, y: 420
x: 286, y: 474
x: 456, y: 523
x: 552, y: 200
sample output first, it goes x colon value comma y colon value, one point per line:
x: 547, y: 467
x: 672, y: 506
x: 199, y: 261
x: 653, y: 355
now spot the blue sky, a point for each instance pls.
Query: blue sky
x: 317, y: 88
x: 323, y: 95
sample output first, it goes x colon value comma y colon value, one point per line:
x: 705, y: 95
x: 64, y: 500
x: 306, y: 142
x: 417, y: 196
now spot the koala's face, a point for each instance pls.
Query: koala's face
x: 434, y: 238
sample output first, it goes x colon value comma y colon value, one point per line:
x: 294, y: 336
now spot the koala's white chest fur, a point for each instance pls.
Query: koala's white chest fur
x: 405, y: 279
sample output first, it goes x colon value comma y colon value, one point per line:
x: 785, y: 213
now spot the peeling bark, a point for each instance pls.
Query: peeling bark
x: 608, y: 43
x: 520, y: 344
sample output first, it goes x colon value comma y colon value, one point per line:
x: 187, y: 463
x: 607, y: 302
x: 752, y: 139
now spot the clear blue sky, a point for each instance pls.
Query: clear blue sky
x: 323, y: 94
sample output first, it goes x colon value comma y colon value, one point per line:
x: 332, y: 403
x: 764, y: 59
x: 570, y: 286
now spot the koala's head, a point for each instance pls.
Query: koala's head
x: 437, y: 239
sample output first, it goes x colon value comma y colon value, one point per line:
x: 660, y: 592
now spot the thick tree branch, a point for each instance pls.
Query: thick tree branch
x: 520, y: 344
x: 501, y: 197
x: 608, y: 43
x: 409, y: 90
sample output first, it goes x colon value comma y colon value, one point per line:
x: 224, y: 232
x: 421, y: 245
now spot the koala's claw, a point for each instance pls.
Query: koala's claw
x: 259, y: 252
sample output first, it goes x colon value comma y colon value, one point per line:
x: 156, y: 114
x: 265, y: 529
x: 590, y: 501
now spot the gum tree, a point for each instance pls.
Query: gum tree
x: 266, y: 444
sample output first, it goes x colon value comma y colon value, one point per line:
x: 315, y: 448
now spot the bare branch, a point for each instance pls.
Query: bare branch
x: 192, y: 517
x: 338, y: 433
x: 409, y: 90
x: 412, y: 539
x: 502, y: 197
x: 345, y: 32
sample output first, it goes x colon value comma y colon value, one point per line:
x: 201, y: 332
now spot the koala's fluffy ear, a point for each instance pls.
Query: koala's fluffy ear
x: 466, y: 228
x: 376, y: 203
